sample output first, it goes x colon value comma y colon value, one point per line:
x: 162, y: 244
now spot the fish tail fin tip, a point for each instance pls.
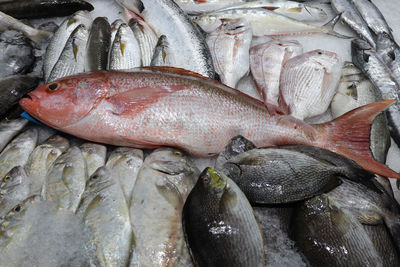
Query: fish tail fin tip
x: 330, y: 25
x: 349, y: 135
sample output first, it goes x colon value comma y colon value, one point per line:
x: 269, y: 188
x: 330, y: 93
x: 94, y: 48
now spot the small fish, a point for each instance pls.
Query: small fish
x: 72, y: 58
x: 98, y: 45
x: 229, y: 45
x: 311, y: 95
x: 162, y: 53
x: 95, y: 156
x: 42, y: 158
x: 9, y: 129
x: 125, y: 164
x: 105, y: 211
x: 66, y: 179
x: 15, y: 186
x: 196, y: 7
x: 219, y: 224
x: 9, y: 23
x: 266, y: 63
x: 60, y: 38
x: 389, y: 51
x: 37, y: 9
x: 17, y: 152
x: 114, y: 28
x: 13, y: 88
x: 146, y: 37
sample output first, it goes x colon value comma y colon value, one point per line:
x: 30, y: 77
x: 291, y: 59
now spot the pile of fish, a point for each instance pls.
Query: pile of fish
x: 298, y: 139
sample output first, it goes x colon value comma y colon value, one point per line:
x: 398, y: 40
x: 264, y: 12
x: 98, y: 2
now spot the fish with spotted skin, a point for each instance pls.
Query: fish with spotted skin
x: 162, y: 186
x: 219, y: 224
x: 95, y: 156
x: 66, y: 179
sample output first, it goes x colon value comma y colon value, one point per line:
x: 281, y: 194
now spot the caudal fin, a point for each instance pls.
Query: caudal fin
x: 349, y: 135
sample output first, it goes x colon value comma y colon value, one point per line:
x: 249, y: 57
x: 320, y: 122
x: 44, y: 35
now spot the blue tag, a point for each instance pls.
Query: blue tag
x: 29, y: 118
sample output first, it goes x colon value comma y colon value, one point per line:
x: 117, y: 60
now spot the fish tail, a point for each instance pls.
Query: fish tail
x: 330, y: 25
x: 348, y: 135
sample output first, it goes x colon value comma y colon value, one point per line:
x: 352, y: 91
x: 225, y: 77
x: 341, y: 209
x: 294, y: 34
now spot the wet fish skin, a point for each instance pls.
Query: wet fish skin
x: 15, y: 186
x: 389, y: 51
x: 311, y: 95
x: 72, y: 58
x: 95, y: 156
x: 163, y: 184
x: 107, y: 214
x: 187, y: 43
x: 114, y: 28
x: 10, y: 128
x: 195, y: 7
x: 42, y: 158
x: 43, y: 8
x: 364, y: 57
x: 162, y: 55
x: 146, y: 37
x: 219, y: 224
x: 330, y: 236
x: 247, y: 86
x: 236, y: 146
x: 9, y: 23
x: 66, y: 179
x: 266, y: 63
x: 125, y: 164
x: 229, y: 46
x: 57, y: 43
x: 16, y: 153
x: 98, y: 45
x: 13, y: 88
x: 350, y: 15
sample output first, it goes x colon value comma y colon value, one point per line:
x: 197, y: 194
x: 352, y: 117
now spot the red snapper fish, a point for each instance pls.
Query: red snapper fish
x: 164, y: 106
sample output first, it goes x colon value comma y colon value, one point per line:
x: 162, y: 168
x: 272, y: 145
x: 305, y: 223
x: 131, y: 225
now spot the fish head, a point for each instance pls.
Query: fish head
x: 213, y: 181
x: 67, y: 100
x: 58, y: 141
x: 292, y: 47
x: 236, y: 27
x: 208, y: 23
x: 170, y: 161
x: 100, y: 180
x: 330, y: 61
x: 10, y: 182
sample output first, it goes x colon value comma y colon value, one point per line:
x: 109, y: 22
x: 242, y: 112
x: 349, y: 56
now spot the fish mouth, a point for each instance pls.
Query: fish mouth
x: 6, y: 189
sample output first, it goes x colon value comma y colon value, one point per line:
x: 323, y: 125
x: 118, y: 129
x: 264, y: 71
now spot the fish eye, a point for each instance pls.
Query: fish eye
x: 206, y: 180
x: 319, y: 53
x: 94, y: 177
x: 17, y: 208
x: 7, y: 178
x: 53, y: 86
x: 178, y: 153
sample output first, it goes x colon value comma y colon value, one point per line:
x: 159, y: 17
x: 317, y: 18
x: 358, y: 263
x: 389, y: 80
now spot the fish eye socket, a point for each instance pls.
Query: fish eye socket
x: 94, y: 177
x: 178, y: 153
x: 319, y: 53
x: 206, y: 180
x: 53, y: 86
x: 17, y: 208
x: 7, y: 178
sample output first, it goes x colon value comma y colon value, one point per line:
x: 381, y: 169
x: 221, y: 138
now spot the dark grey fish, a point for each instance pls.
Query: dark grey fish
x: 330, y: 236
x: 278, y: 175
x: 237, y: 145
x: 16, y: 55
x: 13, y: 88
x: 98, y: 45
x: 366, y: 59
x: 219, y: 224
x: 34, y: 9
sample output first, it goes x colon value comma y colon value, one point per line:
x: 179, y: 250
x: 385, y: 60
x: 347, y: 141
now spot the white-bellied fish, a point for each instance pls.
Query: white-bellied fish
x: 146, y: 37
x: 95, y: 156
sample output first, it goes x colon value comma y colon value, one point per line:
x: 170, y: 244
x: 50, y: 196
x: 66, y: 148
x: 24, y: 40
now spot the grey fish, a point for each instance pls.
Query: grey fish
x: 15, y: 186
x: 66, y: 179
x: 219, y: 224
x: 17, y: 55
x: 162, y: 55
x: 107, y: 214
x: 114, y: 28
x: 125, y: 164
x: 330, y: 236
x: 188, y: 45
x: 43, y: 8
x: 41, y: 159
x: 389, y: 52
x: 163, y: 184
x: 125, y: 50
x: 236, y: 146
x: 13, y: 88
x: 350, y: 15
x: 98, y: 45
x: 17, y: 152
x: 95, y: 156
x: 247, y: 86
x: 366, y: 59
x: 57, y: 43
x: 9, y: 129
x: 9, y: 23
x: 146, y: 37
x: 72, y: 58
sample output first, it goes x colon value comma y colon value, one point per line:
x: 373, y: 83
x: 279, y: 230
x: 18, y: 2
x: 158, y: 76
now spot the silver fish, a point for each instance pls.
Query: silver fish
x: 72, y: 57
x: 266, y: 63
x: 187, y: 43
x: 66, y: 179
x: 389, y: 52
x: 16, y: 153
x: 229, y: 46
x: 60, y: 38
x: 146, y: 37
x: 107, y: 214
x: 8, y: 129
x: 311, y: 95
x: 248, y: 86
x: 162, y: 53
x: 98, y: 45
x: 95, y: 156
x: 162, y: 186
x: 41, y: 159
x: 195, y: 6
x: 9, y: 23
x: 114, y: 28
